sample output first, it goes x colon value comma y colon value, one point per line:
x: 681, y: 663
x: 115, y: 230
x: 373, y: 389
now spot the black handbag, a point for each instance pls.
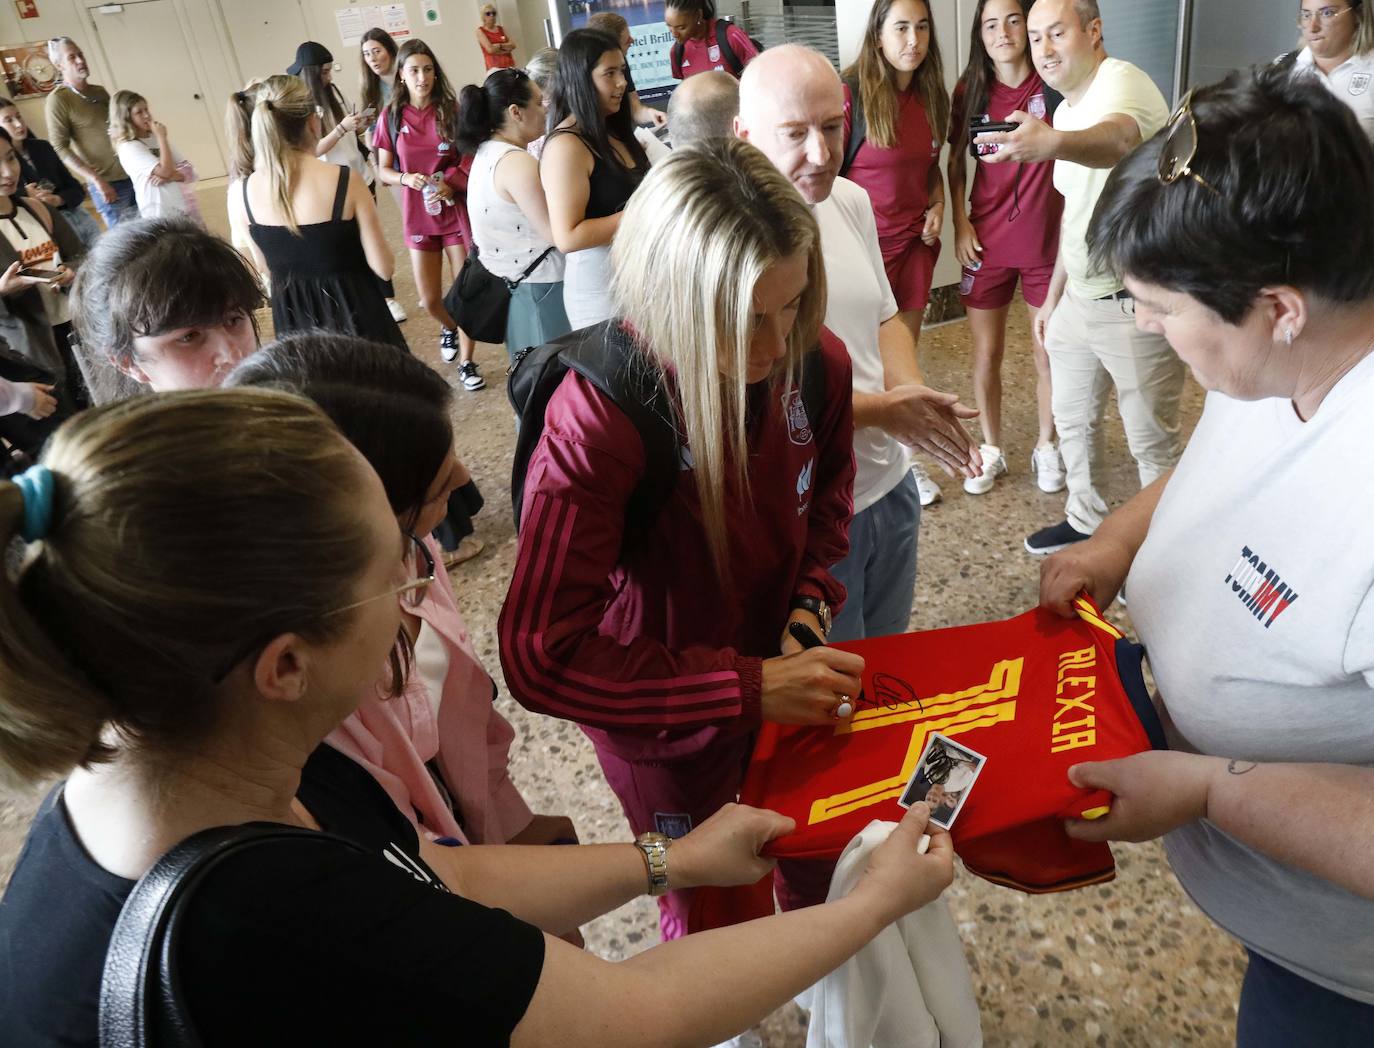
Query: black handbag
x: 141, y: 1000
x: 479, y: 300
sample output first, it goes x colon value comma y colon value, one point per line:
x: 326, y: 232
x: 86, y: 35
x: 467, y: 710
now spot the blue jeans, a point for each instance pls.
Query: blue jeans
x: 879, y: 573
x: 1279, y: 1009
x: 83, y: 225
x: 123, y: 205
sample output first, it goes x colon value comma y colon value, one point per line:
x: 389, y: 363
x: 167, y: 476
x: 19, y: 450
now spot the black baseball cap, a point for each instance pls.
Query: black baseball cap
x: 309, y: 53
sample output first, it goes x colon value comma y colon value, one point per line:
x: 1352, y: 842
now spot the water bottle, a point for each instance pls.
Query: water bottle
x: 433, y: 203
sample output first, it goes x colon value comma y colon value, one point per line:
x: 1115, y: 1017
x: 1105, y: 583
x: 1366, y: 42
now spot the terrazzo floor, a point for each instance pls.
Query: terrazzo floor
x: 1128, y: 963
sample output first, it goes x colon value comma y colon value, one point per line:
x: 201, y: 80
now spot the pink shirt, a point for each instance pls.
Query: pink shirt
x: 895, y: 179
x: 422, y: 149
x: 1014, y: 207
x: 468, y: 741
x: 704, y: 54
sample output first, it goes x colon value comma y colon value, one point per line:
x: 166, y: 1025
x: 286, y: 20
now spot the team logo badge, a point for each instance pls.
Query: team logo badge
x: 1359, y: 83
x: 1037, y: 107
x: 713, y: 52
x: 798, y: 425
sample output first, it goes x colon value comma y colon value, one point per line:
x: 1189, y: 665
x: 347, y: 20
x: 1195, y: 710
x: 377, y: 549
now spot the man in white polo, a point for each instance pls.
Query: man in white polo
x: 1087, y: 324
x: 792, y: 108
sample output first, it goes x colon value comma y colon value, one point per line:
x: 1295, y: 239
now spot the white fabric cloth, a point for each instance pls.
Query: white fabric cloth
x: 587, y: 286
x: 1352, y: 82
x: 140, y: 158
x: 1254, y: 595
x: 908, y: 988
x: 859, y: 300
x: 1117, y: 87
x: 505, y: 236
x: 16, y: 397
x: 346, y: 152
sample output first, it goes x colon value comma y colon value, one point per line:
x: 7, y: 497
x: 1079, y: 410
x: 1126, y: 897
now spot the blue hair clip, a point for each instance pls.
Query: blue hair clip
x: 37, y: 486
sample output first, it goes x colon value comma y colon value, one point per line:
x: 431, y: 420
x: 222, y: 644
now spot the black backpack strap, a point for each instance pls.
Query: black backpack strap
x: 141, y: 1002
x: 1052, y: 100
x: 676, y: 55
x: 726, y: 51
x: 393, y: 128
x: 813, y: 386
x: 858, y: 128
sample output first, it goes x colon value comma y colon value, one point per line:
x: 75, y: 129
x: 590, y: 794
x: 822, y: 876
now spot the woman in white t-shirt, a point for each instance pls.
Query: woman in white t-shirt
x: 497, y: 121
x: 1251, y: 565
x: 162, y: 177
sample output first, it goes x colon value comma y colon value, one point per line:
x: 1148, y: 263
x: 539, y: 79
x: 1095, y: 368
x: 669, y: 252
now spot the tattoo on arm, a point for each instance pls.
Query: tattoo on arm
x: 1238, y: 767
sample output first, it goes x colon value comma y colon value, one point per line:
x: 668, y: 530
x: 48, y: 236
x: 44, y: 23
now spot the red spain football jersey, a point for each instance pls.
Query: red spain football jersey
x: 1035, y: 695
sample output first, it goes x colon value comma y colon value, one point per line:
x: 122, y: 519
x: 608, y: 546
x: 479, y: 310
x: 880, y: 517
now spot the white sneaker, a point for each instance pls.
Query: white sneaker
x: 398, y: 311
x: 1048, y: 468
x: 994, y: 465
x: 927, y: 488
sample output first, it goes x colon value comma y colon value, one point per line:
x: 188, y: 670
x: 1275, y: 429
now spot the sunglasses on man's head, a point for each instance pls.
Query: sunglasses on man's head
x: 1180, y: 147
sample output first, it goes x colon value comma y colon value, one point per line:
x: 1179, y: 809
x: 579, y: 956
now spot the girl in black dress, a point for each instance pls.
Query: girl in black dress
x: 312, y: 225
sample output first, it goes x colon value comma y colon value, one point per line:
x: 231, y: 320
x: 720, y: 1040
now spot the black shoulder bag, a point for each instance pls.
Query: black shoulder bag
x: 479, y: 300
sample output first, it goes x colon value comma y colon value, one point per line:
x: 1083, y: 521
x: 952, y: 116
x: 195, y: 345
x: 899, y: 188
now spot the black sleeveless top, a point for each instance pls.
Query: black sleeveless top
x: 321, y: 279
x: 612, y: 184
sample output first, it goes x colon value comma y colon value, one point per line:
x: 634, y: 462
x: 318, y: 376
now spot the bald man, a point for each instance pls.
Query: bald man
x: 1087, y: 324
x: 703, y: 107
x: 792, y: 108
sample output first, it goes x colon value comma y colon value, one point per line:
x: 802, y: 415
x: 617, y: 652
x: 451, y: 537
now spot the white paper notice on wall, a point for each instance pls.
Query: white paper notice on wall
x: 429, y: 12
x: 354, y: 21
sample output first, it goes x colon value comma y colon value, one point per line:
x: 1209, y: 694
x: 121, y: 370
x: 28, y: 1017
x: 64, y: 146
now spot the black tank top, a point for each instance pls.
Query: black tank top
x: 612, y: 183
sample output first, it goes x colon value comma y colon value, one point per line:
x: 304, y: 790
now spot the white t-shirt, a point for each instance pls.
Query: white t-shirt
x: 139, y: 159
x: 860, y: 299
x: 1254, y: 596
x: 1117, y: 87
x: 1352, y: 82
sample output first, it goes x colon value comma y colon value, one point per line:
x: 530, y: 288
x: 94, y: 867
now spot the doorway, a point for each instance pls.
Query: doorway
x: 146, y: 51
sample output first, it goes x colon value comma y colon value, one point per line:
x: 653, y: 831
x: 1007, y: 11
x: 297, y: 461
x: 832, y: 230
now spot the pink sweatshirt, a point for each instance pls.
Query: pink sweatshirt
x: 468, y: 741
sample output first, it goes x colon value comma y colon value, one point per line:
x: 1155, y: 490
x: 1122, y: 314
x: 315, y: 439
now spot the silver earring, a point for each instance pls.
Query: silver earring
x: 1288, y: 337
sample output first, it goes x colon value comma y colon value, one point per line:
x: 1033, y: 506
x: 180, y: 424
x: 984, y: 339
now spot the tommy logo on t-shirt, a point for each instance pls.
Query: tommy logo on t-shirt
x: 1259, y: 587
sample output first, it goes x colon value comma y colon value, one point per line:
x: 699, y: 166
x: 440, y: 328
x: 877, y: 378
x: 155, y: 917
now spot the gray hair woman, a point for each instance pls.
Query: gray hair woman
x: 1244, y: 233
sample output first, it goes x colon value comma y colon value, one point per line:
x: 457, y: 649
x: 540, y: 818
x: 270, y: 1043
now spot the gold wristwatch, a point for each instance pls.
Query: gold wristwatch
x: 655, y: 849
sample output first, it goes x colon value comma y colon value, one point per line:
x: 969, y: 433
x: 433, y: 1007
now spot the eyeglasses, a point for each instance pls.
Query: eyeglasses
x: 1180, y: 147
x: 1324, y: 14
x: 420, y: 573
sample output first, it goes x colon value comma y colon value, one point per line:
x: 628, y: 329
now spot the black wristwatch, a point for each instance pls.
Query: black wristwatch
x: 817, y: 607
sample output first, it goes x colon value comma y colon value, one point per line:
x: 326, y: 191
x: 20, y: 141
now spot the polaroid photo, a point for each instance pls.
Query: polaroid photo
x: 944, y: 778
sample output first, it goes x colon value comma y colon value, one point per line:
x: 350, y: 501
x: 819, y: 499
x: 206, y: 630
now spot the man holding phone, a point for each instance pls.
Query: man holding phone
x: 1087, y: 324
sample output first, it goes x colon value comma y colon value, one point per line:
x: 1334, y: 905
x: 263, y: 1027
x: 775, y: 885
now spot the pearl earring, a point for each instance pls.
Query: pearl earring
x: 1288, y: 336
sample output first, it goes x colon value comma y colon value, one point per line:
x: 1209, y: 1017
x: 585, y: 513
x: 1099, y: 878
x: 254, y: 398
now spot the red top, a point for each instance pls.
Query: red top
x: 422, y: 149
x: 654, y: 652
x: 497, y: 61
x: 704, y: 54
x: 1014, y: 207
x: 895, y: 179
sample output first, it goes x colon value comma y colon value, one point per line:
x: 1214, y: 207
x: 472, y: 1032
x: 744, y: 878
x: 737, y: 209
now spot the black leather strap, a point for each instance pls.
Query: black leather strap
x: 141, y: 1004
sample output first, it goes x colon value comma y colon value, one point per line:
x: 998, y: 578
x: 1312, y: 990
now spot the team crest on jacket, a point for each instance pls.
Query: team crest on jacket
x: 1359, y: 83
x: 1037, y: 107
x: 798, y: 425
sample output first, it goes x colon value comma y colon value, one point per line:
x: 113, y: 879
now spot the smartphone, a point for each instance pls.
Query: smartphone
x: 978, y: 127
x: 369, y: 112
x: 41, y: 274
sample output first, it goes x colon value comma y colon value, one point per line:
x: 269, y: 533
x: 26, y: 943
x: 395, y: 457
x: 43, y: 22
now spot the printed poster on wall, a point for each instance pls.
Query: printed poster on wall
x: 354, y: 21
x: 429, y: 12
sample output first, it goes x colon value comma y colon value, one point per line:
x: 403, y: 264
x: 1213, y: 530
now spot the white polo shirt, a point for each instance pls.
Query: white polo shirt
x: 1352, y: 82
x: 858, y: 300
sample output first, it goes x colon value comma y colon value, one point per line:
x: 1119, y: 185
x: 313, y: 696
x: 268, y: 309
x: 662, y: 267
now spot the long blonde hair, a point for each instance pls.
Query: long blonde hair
x: 696, y: 237
x: 119, y: 619
x: 282, y: 110
x: 121, y: 116
x: 878, y: 81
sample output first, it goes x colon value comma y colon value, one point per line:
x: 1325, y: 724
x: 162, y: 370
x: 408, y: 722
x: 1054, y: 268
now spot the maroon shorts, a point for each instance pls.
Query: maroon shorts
x: 437, y: 241
x: 910, y: 269
x: 993, y: 287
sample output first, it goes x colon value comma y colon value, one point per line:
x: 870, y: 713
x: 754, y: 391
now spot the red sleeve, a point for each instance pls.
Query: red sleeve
x: 827, y: 540
x: 457, y: 175
x: 381, y: 135
x: 555, y: 658
x: 740, y: 43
